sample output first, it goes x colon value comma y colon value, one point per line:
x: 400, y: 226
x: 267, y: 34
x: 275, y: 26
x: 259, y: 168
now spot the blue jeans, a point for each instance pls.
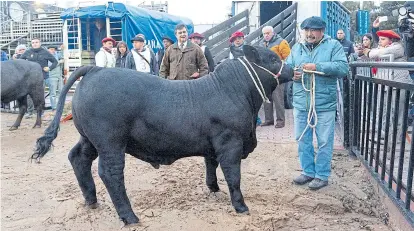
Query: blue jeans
x: 325, y: 130
x: 54, y: 84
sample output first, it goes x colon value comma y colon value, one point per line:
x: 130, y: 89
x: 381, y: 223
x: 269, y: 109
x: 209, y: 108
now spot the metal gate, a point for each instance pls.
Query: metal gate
x: 379, y: 133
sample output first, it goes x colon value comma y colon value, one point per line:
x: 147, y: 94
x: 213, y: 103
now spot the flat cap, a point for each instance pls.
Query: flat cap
x: 313, y: 22
x: 167, y: 38
x: 138, y: 39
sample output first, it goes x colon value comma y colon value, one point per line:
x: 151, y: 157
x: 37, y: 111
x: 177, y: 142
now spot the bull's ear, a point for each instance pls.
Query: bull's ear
x: 251, y: 54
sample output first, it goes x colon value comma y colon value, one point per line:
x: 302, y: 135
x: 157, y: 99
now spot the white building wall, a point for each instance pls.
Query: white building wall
x: 306, y: 9
x: 254, y: 10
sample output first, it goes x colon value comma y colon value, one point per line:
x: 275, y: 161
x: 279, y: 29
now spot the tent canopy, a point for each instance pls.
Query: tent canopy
x: 135, y: 20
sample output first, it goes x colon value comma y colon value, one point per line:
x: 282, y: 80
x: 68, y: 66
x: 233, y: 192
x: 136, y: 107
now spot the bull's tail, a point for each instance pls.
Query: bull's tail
x: 43, y: 143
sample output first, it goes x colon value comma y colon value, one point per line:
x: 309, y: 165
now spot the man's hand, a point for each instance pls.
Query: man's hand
x: 309, y: 66
x: 46, y: 69
x: 297, y: 75
x: 195, y: 75
x: 376, y: 23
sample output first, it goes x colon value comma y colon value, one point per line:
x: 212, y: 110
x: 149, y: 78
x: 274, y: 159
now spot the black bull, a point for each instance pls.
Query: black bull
x: 20, y: 78
x: 120, y: 111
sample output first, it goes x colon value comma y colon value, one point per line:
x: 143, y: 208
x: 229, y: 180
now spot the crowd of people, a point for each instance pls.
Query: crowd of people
x: 186, y: 58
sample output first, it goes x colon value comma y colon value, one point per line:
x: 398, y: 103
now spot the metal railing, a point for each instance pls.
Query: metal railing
x: 217, y: 37
x: 379, y: 132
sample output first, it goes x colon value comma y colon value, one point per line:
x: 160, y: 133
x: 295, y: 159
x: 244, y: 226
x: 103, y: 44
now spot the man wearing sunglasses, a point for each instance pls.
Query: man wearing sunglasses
x: 183, y: 60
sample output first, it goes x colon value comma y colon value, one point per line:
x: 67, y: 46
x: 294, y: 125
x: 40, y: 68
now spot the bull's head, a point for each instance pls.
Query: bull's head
x: 270, y: 61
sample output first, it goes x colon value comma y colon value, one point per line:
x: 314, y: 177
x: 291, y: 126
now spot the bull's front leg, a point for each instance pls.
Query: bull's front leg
x: 229, y: 151
x: 22, y: 109
x: 211, y: 177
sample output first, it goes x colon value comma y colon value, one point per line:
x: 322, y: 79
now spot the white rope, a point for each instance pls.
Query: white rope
x: 277, y: 75
x: 312, y: 107
x: 257, y: 76
x: 261, y: 91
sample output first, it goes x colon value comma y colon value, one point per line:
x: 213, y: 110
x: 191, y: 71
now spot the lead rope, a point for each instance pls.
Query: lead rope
x: 260, y: 90
x: 312, y: 107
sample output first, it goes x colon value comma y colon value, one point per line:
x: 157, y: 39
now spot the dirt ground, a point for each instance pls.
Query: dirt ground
x: 46, y: 196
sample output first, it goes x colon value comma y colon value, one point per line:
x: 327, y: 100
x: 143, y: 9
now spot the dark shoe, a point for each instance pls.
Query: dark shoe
x: 268, y: 123
x: 317, y: 184
x: 280, y: 124
x: 302, y: 179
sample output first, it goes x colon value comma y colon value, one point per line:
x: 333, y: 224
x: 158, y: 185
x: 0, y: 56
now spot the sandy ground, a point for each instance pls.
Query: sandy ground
x: 46, y: 196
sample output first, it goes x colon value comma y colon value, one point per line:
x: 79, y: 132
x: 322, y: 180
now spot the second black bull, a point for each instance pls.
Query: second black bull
x: 120, y: 111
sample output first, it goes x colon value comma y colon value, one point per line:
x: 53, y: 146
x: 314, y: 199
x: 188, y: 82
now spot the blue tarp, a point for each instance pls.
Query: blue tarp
x: 153, y: 24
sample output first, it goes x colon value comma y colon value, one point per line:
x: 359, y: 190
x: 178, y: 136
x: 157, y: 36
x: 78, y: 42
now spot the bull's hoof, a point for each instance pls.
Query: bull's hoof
x: 12, y: 128
x: 92, y: 206
x: 242, y: 210
x: 131, y: 221
x: 156, y: 166
x: 37, y: 126
x: 213, y: 188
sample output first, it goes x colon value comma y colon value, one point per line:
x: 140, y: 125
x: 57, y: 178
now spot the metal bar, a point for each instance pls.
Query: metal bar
x: 402, y: 147
x: 364, y: 93
x: 394, y: 137
x: 374, y: 121
x: 368, y: 119
x: 410, y: 173
x: 359, y: 106
x: 386, y: 132
x: 380, y: 114
x: 385, y: 65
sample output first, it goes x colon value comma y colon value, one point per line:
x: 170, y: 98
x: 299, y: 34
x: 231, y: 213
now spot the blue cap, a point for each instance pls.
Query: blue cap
x: 313, y: 22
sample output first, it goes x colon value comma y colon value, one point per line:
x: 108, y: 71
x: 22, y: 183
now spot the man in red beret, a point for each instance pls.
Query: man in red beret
x: 389, y: 43
x: 197, y: 39
x: 237, y: 42
x: 105, y: 57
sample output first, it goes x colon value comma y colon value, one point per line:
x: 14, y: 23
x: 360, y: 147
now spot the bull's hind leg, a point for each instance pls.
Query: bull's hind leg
x: 22, y: 109
x: 39, y: 105
x: 81, y: 157
x: 211, y: 177
x: 111, y: 171
x: 229, y: 151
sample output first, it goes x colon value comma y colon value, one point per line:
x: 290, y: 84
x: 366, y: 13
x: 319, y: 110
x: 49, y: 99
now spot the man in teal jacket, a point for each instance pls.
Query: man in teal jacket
x: 318, y: 53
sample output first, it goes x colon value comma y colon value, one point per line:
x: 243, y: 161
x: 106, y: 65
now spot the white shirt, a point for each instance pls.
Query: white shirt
x: 185, y: 45
x: 105, y: 59
x: 140, y: 64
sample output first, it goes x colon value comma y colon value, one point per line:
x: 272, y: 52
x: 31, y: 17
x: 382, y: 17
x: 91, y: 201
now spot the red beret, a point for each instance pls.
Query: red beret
x: 109, y: 39
x: 235, y: 35
x: 388, y: 34
x: 196, y: 35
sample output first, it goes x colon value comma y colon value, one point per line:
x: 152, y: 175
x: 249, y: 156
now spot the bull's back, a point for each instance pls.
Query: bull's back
x: 18, y: 77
